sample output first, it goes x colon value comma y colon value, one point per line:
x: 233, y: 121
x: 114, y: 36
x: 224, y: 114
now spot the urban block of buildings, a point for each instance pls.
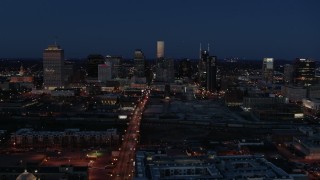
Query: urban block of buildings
x: 159, y: 166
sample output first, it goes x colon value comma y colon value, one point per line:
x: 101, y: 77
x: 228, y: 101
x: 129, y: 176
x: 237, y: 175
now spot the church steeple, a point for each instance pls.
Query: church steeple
x: 21, y: 72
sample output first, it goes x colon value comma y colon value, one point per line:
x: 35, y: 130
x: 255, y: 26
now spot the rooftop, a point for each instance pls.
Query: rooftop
x: 216, y: 167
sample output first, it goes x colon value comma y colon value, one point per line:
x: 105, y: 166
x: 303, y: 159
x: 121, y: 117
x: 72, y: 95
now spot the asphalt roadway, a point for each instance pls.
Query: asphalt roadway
x: 125, y: 165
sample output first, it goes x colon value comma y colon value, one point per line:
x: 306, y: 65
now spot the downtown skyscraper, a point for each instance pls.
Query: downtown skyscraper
x: 104, y: 72
x: 93, y: 61
x: 164, y: 66
x: 304, y: 71
x: 53, y: 65
x: 267, y: 69
x: 139, y: 63
x: 212, y: 74
x: 160, y: 49
x: 207, y: 71
x: 202, y: 68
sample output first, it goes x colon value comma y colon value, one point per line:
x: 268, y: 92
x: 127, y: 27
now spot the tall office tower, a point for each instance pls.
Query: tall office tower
x: 160, y: 49
x: 139, y: 63
x: 116, y: 63
x: 68, y: 71
x: 93, y: 60
x: 170, y: 70
x: 288, y: 74
x: 304, y: 71
x: 185, y: 68
x: 267, y: 69
x: 104, y: 72
x: 202, y: 67
x: 53, y: 65
x: 149, y: 73
x: 212, y: 74
x: 165, y: 70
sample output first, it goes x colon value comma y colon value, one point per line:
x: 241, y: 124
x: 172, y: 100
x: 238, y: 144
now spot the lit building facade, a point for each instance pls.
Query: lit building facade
x: 21, y: 79
x: 304, y: 71
x: 53, y: 66
x: 104, y: 72
x: 160, y: 49
x: 267, y: 69
x: 116, y: 63
x: 139, y: 63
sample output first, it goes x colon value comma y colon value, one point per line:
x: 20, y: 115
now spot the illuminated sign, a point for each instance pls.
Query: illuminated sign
x: 299, y: 115
x: 122, y: 116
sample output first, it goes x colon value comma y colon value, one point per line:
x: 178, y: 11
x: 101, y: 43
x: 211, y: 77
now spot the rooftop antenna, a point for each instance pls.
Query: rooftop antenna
x: 55, y: 40
x: 200, y: 51
x: 208, y: 47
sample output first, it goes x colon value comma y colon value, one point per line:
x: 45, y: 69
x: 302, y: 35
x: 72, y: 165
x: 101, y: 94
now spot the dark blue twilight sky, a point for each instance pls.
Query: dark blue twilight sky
x: 243, y: 28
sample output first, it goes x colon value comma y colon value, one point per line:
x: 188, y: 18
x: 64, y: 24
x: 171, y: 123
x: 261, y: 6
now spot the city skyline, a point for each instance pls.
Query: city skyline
x: 248, y: 29
x: 137, y: 90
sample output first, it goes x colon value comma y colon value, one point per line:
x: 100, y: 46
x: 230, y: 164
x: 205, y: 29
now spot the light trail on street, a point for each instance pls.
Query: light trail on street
x: 124, y: 168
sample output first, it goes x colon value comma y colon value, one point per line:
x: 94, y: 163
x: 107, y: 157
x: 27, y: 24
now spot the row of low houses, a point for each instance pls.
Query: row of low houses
x: 71, y: 137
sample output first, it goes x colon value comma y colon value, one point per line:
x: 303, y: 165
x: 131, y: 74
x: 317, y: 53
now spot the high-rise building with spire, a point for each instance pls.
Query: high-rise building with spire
x: 202, y: 67
x: 207, y: 68
x: 53, y: 65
